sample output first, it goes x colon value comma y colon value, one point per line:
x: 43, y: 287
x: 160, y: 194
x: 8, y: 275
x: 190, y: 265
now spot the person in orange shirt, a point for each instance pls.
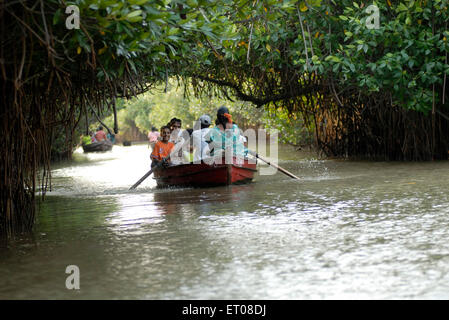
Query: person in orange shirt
x: 162, y: 148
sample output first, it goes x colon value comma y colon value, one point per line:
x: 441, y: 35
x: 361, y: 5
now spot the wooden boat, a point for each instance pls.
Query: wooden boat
x: 98, y: 146
x: 205, y: 175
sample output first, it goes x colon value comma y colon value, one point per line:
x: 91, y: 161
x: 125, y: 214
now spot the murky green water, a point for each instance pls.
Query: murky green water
x: 348, y: 230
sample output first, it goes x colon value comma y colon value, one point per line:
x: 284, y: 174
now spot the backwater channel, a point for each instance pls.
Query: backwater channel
x: 347, y: 230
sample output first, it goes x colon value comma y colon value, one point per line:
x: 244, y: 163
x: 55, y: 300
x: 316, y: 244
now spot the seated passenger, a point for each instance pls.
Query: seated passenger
x: 162, y: 148
x: 100, y: 135
x: 177, y: 137
x: 199, y: 138
x: 153, y: 136
x: 189, y: 154
x: 111, y: 137
x: 92, y: 136
x: 226, y: 134
x: 176, y: 132
x: 242, y: 138
x: 170, y: 123
x: 86, y: 140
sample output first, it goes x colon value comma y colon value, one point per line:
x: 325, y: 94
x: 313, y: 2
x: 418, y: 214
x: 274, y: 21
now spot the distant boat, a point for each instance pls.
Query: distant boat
x: 98, y: 146
x: 204, y: 175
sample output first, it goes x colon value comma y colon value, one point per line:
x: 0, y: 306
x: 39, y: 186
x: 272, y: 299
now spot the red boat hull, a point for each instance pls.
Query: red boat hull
x: 205, y: 175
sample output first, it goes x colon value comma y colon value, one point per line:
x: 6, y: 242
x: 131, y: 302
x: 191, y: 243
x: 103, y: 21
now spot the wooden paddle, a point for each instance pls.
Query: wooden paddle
x: 273, y: 165
x: 148, y: 173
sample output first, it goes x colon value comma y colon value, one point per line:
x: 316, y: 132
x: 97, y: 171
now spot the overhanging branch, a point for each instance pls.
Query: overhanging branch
x: 259, y: 102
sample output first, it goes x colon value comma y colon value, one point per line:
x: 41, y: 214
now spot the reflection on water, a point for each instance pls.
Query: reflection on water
x: 347, y: 230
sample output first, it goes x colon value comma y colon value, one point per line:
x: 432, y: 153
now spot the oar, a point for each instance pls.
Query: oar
x: 273, y: 165
x: 144, y: 177
x: 148, y: 174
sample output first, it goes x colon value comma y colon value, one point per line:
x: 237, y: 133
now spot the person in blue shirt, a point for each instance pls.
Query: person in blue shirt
x: 226, y: 134
x: 111, y: 137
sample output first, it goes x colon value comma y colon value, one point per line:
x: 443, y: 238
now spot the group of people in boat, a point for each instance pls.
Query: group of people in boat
x: 96, y: 136
x: 175, y: 146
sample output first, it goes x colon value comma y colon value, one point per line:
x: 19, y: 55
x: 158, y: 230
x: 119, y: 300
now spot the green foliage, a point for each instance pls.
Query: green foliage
x: 238, y: 43
x: 133, y: 112
x: 137, y: 36
x: 157, y: 107
x: 291, y: 128
x: 405, y: 57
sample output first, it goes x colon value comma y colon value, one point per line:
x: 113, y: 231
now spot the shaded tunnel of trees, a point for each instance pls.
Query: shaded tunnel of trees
x: 367, y: 92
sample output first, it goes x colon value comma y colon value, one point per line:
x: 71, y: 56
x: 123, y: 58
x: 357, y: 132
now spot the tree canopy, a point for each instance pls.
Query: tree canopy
x: 366, y: 88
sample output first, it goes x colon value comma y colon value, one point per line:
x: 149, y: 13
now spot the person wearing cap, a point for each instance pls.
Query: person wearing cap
x: 200, y: 145
x: 226, y: 133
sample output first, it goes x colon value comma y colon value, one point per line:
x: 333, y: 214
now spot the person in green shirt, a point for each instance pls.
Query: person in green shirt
x: 85, y: 140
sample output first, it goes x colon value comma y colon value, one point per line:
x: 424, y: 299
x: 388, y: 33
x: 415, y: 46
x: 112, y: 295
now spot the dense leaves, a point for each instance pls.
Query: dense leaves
x: 406, y: 56
x: 157, y: 107
x: 136, y: 37
x: 358, y: 86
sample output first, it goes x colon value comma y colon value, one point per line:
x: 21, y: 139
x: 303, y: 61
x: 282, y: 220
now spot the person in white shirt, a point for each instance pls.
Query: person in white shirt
x: 200, y: 136
x: 176, y: 131
x: 177, y: 137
